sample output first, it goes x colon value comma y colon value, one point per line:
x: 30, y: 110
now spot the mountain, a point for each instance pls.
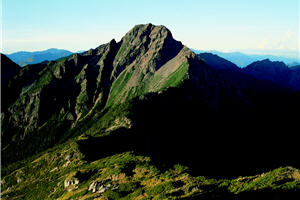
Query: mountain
x: 292, y: 64
x: 276, y: 72
x: 296, y: 67
x: 146, y: 117
x: 8, y: 69
x: 24, y: 58
x: 218, y: 62
x: 242, y: 60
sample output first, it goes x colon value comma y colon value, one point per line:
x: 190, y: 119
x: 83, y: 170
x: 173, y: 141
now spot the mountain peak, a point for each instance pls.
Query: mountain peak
x: 266, y: 60
x: 274, y: 71
x: 143, y: 30
x: 149, y: 45
x: 268, y: 63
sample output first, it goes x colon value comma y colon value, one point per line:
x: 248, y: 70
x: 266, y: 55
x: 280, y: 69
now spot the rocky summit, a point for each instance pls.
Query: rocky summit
x: 146, y: 118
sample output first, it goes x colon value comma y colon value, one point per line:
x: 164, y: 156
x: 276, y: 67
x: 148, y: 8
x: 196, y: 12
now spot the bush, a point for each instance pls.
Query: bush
x: 160, y: 188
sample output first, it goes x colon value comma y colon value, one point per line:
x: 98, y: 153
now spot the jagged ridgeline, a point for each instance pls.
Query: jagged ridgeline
x: 147, y: 97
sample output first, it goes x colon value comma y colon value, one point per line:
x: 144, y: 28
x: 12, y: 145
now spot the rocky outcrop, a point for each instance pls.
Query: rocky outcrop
x: 101, y: 186
x: 71, y: 183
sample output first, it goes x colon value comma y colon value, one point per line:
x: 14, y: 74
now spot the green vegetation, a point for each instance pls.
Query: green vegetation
x: 177, y: 77
x: 126, y: 176
x: 281, y: 178
x: 118, y: 86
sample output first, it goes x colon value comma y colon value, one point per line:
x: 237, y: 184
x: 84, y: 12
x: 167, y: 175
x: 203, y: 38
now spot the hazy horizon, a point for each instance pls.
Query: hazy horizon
x: 245, y: 26
x: 291, y: 54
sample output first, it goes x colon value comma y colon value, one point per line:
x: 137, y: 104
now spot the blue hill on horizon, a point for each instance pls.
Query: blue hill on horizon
x: 23, y: 58
x: 242, y: 60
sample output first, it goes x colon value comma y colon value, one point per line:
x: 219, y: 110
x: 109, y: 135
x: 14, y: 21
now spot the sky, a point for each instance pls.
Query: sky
x: 231, y: 25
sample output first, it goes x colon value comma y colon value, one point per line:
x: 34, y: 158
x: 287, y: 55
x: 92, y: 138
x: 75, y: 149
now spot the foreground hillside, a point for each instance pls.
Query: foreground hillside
x: 146, y: 118
x: 63, y: 172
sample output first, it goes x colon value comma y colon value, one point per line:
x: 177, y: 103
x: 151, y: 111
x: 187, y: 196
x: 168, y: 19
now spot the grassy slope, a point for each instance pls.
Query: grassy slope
x: 120, y: 93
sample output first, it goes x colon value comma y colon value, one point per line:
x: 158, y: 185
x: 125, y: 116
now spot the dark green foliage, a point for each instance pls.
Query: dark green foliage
x: 160, y: 188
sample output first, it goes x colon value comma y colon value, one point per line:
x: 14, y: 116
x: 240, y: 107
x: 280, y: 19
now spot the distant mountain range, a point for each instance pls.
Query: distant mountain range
x: 275, y: 71
x: 242, y: 60
x: 23, y: 58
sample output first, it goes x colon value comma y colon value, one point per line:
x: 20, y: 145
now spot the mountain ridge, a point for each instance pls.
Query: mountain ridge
x: 244, y: 59
x: 25, y: 57
x: 275, y: 71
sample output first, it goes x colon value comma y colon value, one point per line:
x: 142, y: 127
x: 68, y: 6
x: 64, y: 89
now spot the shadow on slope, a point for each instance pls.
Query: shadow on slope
x: 177, y: 126
x: 261, y: 194
x: 120, y: 140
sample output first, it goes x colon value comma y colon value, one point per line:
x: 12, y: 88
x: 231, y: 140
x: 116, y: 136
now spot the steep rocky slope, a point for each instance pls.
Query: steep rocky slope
x: 63, y: 92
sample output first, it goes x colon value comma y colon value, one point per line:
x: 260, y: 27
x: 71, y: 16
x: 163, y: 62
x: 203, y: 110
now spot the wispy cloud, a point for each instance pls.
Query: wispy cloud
x: 287, y: 41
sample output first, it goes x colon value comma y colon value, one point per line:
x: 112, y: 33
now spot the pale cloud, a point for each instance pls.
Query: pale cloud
x: 288, y: 35
x: 265, y: 43
x: 286, y: 41
x: 70, y: 42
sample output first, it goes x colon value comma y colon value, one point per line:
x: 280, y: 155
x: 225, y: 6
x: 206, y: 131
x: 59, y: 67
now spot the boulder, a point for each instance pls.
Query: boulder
x: 100, y: 186
x: 71, y: 183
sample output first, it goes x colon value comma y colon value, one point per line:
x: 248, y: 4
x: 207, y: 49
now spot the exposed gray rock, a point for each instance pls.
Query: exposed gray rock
x: 100, y: 186
x: 71, y: 183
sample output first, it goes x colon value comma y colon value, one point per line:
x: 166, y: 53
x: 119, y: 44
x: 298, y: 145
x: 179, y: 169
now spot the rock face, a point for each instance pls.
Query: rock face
x: 101, y: 187
x: 71, y: 183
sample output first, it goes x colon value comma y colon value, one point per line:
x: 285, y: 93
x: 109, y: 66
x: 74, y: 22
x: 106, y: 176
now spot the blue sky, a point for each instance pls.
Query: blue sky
x: 249, y: 25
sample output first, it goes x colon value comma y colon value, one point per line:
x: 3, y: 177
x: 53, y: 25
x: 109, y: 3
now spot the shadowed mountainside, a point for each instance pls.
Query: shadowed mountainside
x: 8, y: 69
x: 276, y: 72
